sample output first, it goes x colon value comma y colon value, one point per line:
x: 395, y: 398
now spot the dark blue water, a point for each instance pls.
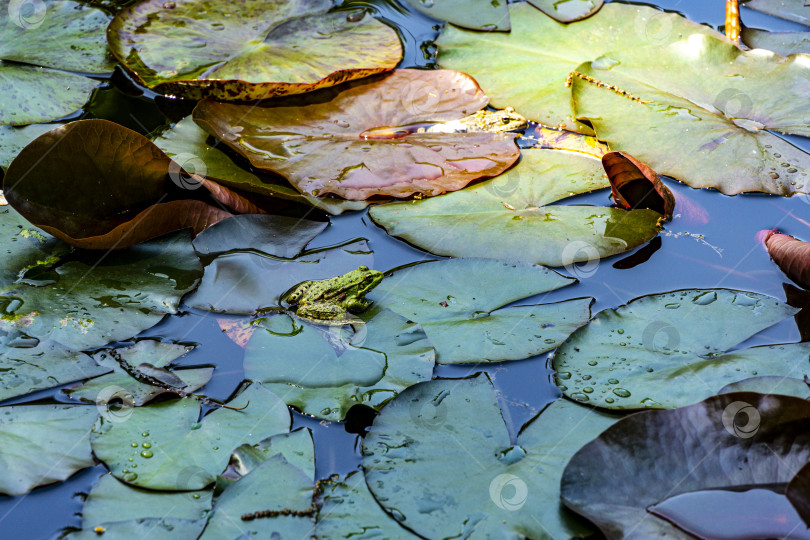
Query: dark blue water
x: 711, y: 243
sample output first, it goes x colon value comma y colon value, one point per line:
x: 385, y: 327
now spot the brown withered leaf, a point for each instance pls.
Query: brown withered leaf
x: 792, y: 256
x: 798, y: 493
x: 98, y: 185
x: 635, y: 185
x: 363, y: 139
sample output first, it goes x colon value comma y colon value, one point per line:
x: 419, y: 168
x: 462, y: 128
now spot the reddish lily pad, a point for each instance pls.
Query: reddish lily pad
x: 249, y: 50
x: 791, y: 255
x: 635, y: 185
x: 104, y: 186
x: 364, y: 140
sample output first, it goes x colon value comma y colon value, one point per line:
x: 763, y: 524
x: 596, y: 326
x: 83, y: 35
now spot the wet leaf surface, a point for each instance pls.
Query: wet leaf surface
x: 669, y: 350
x: 727, y: 100
x: 773, y: 384
x: 568, y: 10
x: 333, y: 367
x: 362, y: 140
x: 467, y: 322
x: 249, y: 50
x: 248, y: 283
x: 513, y: 217
x: 186, y: 143
x: 635, y: 185
x: 444, y: 472
x: 43, y: 444
x: 527, y: 68
x: 85, y: 300
x: 164, y: 528
x: 791, y: 255
x: 183, y: 451
x: 297, y: 448
x: 473, y: 14
x: 725, y: 442
x: 279, y: 236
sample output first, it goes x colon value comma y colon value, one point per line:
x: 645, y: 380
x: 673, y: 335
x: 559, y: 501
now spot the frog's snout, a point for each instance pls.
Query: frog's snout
x: 363, y: 268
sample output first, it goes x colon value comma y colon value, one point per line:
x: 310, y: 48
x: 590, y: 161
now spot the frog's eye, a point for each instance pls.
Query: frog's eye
x: 363, y: 268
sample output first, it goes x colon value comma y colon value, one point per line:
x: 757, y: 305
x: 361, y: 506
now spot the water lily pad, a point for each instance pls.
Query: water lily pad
x: 362, y: 139
x: 527, y: 68
x: 139, y: 193
x: 28, y: 364
x: 473, y: 14
x: 773, y: 384
x: 792, y: 10
x: 43, y: 444
x: 121, y: 385
x: 280, y: 236
x: 163, y: 528
x: 731, y: 441
x: 175, y: 449
x: 784, y: 43
x: 15, y: 138
x: 251, y: 282
x: 669, y: 349
x: 334, y: 369
x: 727, y: 100
x: 87, y: 300
x: 186, y: 143
x: 440, y: 459
x: 296, y: 447
x: 465, y: 320
x: 512, y: 217
x: 250, y: 50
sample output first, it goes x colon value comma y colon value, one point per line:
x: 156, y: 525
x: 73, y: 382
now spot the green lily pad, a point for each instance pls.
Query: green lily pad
x: 43, y: 444
x: 473, y: 14
x: 669, y: 350
x: 250, y: 50
x: 86, y: 300
x: 251, y: 282
x: 121, y: 385
x: 280, y: 236
x: 15, y: 138
x: 324, y: 372
x: 784, y: 43
x: 186, y: 143
x: 727, y: 100
x: 28, y: 364
x: 465, y: 320
x: 792, y: 10
x: 163, y: 528
x: 772, y: 384
x: 729, y: 442
x: 111, y: 500
x: 511, y: 217
x: 175, y: 449
x: 440, y: 459
x: 363, y: 140
x: 296, y: 447
x: 568, y: 10
x: 527, y: 68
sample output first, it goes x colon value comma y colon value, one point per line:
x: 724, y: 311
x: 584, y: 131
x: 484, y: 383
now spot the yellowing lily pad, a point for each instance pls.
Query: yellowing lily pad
x: 249, y: 50
x: 364, y: 140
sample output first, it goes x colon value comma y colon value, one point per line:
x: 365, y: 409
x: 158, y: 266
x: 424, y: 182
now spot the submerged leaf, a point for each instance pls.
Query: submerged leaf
x: 249, y: 50
x: 568, y: 10
x: 473, y: 14
x: 280, y: 236
x: 363, y: 140
x: 792, y: 10
x: 727, y: 100
x: 784, y: 43
x: 635, y: 185
x: 792, y: 256
x: 513, y: 217
x: 669, y: 349
x: 731, y: 441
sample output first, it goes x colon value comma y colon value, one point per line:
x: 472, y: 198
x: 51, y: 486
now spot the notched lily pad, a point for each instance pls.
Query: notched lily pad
x: 364, y: 139
x: 249, y: 50
x: 668, y: 350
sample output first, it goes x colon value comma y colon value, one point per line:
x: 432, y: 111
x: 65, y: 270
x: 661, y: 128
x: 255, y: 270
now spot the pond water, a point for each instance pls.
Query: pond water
x: 712, y: 242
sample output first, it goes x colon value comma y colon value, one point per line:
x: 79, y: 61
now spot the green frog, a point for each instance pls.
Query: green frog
x: 332, y: 301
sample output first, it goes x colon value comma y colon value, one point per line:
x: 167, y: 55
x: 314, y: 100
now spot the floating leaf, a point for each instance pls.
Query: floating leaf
x: 252, y: 282
x: 527, y: 68
x: 727, y: 100
x: 250, y: 50
x: 335, y: 369
x: 792, y: 10
x: 635, y: 185
x: 798, y: 493
x: 130, y: 178
x: 440, y: 459
x: 465, y: 320
x: 731, y: 441
x: 43, y: 444
x: 568, y: 10
x: 784, y: 43
x: 773, y: 384
x: 163, y: 528
x: 280, y: 236
x: 363, y: 140
x: 186, y: 144
x: 511, y: 217
x: 15, y: 138
x: 473, y: 14
x: 175, y: 449
x: 297, y: 448
x: 667, y: 350
x: 792, y: 256
x: 121, y: 385
x: 86, y: 300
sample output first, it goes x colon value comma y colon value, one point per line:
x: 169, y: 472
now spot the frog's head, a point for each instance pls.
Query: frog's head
x: 363, y: 278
